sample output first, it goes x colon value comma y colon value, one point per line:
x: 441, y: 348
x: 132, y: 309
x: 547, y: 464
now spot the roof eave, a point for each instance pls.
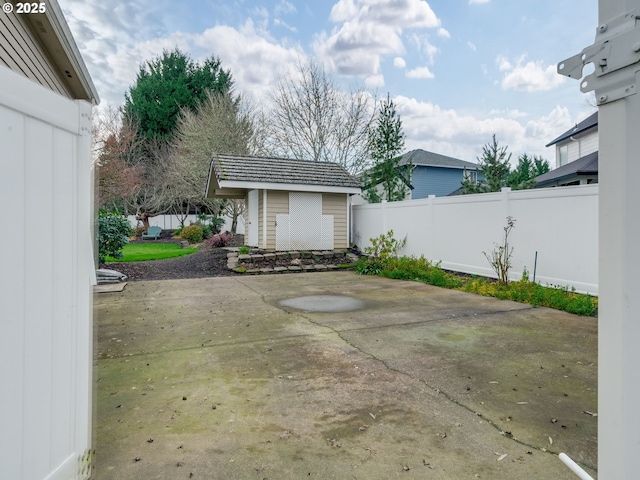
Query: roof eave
x: 63, y: 51
x: 236, y: 185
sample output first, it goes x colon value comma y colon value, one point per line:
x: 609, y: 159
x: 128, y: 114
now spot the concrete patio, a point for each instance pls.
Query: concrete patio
x: 216, y: 378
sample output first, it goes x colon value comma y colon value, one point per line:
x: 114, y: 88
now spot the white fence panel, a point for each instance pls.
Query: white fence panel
x: 561, y: 224
x: 47, y: 341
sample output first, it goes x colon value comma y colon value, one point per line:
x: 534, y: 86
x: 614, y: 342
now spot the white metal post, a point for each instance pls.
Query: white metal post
x: 616, y: 80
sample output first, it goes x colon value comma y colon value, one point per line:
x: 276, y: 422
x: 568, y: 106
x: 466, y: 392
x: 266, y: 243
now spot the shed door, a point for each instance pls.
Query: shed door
x: 252, y: 228
x: 304, y: 227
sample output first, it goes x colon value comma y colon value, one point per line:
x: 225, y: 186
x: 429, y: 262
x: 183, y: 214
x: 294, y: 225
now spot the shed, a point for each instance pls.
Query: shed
x: 291, y: 204
x: 46, y: 251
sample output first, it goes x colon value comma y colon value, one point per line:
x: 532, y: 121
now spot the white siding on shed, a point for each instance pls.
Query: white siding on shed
x: 47, y: 271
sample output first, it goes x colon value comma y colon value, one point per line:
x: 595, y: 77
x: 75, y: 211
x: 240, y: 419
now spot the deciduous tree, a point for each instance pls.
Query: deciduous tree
x: 313, y: 119
x: 223, y: 123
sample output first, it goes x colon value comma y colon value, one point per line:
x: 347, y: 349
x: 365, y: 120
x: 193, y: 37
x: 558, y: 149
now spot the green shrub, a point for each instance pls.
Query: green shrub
x: 243, y: 250
x: 113, y: 234
x: 369, y: 266
x: 192, y: 233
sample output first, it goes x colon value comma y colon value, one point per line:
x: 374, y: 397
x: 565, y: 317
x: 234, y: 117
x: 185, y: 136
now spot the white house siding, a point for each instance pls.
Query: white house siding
x: 47, y: 263
x: 561, y: 224
x: 23, y: 54
x: 578, y: 146
x: 335, y: 204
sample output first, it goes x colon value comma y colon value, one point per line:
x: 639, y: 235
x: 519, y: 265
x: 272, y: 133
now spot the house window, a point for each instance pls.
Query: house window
x: 563, y: 155
x: 470, y: 176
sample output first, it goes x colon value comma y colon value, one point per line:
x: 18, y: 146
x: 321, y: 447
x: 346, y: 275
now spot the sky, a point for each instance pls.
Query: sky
x: 458, y: 71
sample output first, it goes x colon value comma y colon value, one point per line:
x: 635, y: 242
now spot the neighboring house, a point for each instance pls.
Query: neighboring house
x: 576, y: 156
x: 46, y: 351
x: 435, y: 174
x: 291, y: 204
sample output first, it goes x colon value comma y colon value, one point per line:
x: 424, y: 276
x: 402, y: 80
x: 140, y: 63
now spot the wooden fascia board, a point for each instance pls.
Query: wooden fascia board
x: 293, y: 187
x: 63, y: 51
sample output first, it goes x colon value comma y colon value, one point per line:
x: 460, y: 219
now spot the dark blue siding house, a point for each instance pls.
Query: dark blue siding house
x: 435, y: 174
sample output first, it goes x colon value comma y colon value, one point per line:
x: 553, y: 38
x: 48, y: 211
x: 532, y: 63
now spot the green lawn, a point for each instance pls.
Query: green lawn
x: 138, y: 252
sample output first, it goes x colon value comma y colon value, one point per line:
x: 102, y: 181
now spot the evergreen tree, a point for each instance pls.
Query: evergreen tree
x: 528, y: 168
x: 494, y: 166
x: 167, y: 84
x: 385, y: 143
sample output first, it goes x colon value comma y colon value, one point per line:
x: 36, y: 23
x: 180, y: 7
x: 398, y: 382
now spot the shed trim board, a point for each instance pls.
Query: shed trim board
x: 298, y: 187
x: 264, y: 218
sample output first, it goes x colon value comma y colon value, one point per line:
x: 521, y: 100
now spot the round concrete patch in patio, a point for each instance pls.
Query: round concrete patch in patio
x: 323, y: 303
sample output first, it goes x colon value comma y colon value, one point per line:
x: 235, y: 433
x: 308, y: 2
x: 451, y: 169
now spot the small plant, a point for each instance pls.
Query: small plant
x: 385, y: 246
x: 113, y: 234
x: 218, y: 240
x: 500, y: 257
x: 192, y: 233
x: 243, y: 250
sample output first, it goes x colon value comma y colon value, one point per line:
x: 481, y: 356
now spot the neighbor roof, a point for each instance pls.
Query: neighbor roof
x: 248, y: 172
x: 586, y: 124
x: 587, y: 165
x: 430, y: 159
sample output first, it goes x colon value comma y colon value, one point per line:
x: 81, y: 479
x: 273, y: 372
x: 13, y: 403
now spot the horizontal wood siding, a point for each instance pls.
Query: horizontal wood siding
x: 336, y: 204
x: 589, y: 143
x: 23, y: 53
x: 277, y: 202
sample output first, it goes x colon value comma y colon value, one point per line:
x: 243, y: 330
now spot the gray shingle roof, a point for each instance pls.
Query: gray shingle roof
x: 430, y: 159
x: 587, y: 165
x: 586, y: 124
x: 240, y: 168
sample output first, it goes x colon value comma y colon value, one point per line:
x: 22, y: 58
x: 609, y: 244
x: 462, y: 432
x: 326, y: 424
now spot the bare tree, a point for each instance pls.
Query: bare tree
x: 313, y: 119
x: 115, y: 152
x: 222, y: 124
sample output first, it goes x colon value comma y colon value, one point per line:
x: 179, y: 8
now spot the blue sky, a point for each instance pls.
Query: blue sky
x: 457, y: 70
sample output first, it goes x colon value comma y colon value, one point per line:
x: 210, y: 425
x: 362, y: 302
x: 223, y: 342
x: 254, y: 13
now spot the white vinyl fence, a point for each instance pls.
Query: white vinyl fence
x: 560, y: 224
x: 46, y: 345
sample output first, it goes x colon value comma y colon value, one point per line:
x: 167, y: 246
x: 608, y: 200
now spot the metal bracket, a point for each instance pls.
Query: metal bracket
x: 615, y: 53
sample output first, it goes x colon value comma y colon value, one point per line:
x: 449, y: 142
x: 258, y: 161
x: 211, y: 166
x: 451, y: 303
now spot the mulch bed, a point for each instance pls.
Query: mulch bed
x: 206, y: 262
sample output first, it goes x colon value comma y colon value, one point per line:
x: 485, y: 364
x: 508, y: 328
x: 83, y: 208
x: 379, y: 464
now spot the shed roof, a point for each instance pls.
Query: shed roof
x: 234, y: 174
x: 587, y: 165
x: 589, y: 122
x: 431, y: 159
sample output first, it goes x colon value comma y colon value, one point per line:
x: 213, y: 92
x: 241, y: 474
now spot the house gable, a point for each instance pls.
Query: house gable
x: 577, y: 142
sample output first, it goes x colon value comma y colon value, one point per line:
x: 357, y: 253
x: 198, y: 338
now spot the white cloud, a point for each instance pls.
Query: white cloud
x: 462, y: 135
x: 472, y: 46
x: 281, y: 23
x: 423, y: 45
x: 503, y: 63
x: 421, y: 72
x: 374, y: 81
x: 478, y: 2
x: 444, y: 33
x: 366, y: 30
x: 399, y: 62
x: 285, y: 8
x: 528, y: 77
x: 254, y: 61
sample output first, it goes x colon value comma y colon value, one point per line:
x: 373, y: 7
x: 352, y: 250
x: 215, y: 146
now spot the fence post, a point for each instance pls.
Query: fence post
x: 383, y: 210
